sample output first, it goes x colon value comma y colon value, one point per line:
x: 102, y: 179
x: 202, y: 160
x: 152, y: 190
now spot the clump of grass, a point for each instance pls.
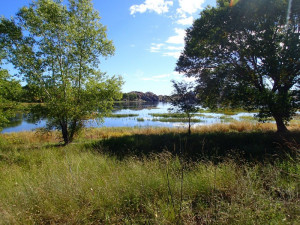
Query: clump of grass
x: 140, y: 119
x: 248, y: 118
x: 173, y: 120
x: 168, y: 115
x: 225, y: 111
x: 122, y: 115
x: 227, y: 119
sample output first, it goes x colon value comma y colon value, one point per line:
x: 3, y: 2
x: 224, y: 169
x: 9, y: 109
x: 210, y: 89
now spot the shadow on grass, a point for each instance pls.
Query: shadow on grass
x: 213, y: 146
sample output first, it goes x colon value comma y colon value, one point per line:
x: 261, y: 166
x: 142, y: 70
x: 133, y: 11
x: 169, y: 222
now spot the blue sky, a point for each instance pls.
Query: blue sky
x: 148, y: 36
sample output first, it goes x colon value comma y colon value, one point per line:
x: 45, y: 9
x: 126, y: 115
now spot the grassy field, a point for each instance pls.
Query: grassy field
x: 238, y: 173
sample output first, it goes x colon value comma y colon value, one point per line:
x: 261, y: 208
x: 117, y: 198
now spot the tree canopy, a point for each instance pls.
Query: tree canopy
x: 247, y: 55
x: 58, y: 53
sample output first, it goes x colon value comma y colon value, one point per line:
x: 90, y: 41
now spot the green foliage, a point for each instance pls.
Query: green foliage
x: 130, y: 96
x: 10, y: 91
x: 246, y: 55
x: 59, y: 59
x: 184, y: 100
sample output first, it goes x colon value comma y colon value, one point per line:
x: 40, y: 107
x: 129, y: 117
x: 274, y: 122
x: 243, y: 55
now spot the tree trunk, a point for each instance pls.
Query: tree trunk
x: 281, y: 128
x: 73, y: 129
x: 189, y: 125
x: 65, y: 133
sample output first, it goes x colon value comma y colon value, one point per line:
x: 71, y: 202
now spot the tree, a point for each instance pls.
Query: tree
x: 184, y: 100
x: 10, y: 89
x: 59, y: 53
x: 247, y: 55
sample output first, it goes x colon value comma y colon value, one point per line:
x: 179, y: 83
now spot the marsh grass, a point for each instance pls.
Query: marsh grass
x: 228, y: 112
x: 227, y: 119
x: 169, y: 115
x: 174, y: 120
x: 122, y: 115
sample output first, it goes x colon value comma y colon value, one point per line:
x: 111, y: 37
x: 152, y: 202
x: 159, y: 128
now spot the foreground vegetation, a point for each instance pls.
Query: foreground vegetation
x: 152, y: 175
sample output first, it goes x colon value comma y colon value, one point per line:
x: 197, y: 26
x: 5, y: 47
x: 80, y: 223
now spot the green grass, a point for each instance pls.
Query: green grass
x: 140, y: 119
x: 228, y: 112
x: 174, y: 120
x: 134, y: 177
x: 168, y: 115
x: 247, y: 118
x: 227, y: 119
x: 122, y: 115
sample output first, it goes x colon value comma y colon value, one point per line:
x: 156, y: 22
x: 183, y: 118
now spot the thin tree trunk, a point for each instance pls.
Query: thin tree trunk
x: 189, y: 125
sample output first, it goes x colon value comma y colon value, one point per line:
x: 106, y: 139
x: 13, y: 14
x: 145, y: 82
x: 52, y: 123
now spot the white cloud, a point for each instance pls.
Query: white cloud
x: 156, y: 47
x: 179, y: 38
x: 158, y: 6
x: 189, y: 6
x: 173, y: 45
x: 172, y: 54
x: 174, y: 48
x: 162, y: 77
x: 186, y: 21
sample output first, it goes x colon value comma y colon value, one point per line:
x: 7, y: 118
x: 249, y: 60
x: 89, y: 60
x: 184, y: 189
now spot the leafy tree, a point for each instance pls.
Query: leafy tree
x: 59, y: 53
x: 32, y: 93
x: 10, y: 89
x: 247, y: 55
x: 184, y: 100
x: 130, y: 96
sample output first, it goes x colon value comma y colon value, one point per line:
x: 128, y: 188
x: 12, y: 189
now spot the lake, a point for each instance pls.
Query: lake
x: 143, y: 110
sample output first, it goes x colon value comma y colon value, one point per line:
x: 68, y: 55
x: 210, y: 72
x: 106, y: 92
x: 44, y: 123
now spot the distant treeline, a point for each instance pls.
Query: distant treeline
x: 148, y: 97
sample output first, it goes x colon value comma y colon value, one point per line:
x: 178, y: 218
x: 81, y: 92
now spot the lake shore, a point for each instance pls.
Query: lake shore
x: 221, y: 174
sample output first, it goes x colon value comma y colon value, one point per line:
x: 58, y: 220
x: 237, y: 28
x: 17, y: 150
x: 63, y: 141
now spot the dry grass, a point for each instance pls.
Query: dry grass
x: 41, y: 137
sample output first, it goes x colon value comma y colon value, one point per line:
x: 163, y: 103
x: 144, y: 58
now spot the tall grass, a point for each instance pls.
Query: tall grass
x: 152, y: 183
x: 75, y: 185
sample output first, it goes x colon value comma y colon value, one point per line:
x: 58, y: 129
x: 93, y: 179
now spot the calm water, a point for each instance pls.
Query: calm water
x: 24, y: 123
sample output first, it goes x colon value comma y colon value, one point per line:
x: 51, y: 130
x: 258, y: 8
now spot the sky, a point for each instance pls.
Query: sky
x: 148, y: 36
